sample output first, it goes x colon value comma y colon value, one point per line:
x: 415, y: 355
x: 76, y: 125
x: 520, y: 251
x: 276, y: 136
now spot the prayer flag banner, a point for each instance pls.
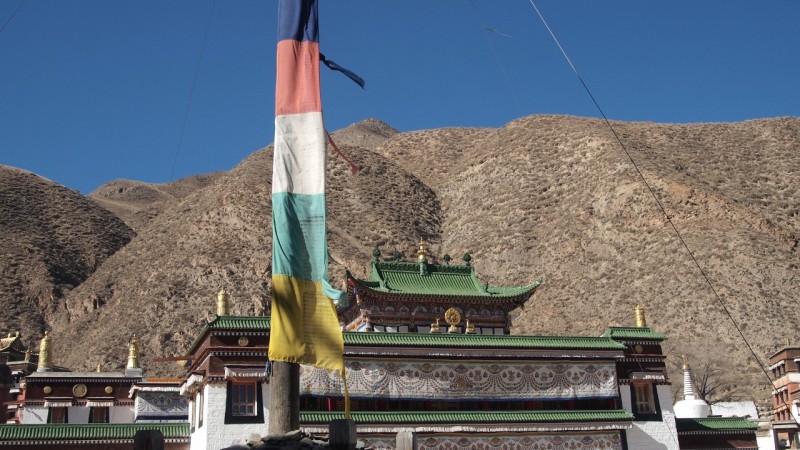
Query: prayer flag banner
x: 305, y: 327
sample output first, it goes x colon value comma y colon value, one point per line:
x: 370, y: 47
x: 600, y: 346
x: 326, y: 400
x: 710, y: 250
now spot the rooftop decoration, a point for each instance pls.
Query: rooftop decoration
x: 222, y: 303
x: 45, y: 358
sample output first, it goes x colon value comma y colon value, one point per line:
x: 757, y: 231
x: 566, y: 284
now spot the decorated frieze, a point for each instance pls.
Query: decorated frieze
x: 519, y: 442
x: 465, y: 380
x: 161, y: 406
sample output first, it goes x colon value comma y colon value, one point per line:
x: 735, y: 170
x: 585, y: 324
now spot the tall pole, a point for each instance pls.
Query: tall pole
x: 284, y: 398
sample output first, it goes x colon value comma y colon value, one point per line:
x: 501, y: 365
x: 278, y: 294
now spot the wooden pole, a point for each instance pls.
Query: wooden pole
x: 284, y: 398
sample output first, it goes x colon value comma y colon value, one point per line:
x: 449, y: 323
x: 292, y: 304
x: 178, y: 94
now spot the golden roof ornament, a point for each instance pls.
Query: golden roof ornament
x: 133, y: 354
x: 453, y: 318
x: 470, y: 328
x: 641, y: 322
x: 685, y: 362
x: 222, y: 303
x: 435, y: 328
x: 45, y: 358
x: 422, y: 253
x: 99, y: 367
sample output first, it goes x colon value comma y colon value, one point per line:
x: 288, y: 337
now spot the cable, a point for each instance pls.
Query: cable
x: 12, y: 16
x: 191, y: 91
x: 660, y: 206
x: 486, y: 31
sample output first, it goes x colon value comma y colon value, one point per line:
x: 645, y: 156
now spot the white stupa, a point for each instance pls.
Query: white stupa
x: 690, y: 407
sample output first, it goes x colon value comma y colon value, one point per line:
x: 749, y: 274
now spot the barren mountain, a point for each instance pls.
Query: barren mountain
x: 137, y: 203
x: 51, y: 240
x: 549, y: 197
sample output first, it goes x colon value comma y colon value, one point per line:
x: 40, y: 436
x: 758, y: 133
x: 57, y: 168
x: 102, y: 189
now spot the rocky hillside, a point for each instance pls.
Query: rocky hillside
x: 549, y: 197
x: 51, y: 240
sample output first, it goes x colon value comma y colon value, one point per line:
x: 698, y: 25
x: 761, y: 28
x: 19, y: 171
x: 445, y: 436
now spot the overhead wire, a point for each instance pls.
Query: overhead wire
x: 191, y: 91
x: 655, y: 197
x: 12, y: 15
x: 486, y: 32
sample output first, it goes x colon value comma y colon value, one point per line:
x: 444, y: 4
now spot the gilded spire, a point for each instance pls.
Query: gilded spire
x: 99, y: 368
x: 133, y: 354
x: 222, y: 303
x: 641, y: 322
x: 45, y: 358
x: 422, y: 253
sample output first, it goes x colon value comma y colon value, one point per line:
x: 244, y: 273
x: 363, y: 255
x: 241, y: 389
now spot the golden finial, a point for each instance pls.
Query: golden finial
x: 133, y: 354
x: 422, y: 253
x: 222, y: 303
x: 685, y: 362
x: 99, y: 367
x: 45, y: 359
x: 435, y: 328
x: 641, y: 322
x: 27, y: 355
x: 470, y: 327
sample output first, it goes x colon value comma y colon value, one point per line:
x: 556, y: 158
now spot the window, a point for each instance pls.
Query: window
x: 244, y: 403
x: 98, y: 414
x: 200, y: 410
x: 57, y: 415
x: 644, y: 398
x: 645, y: 402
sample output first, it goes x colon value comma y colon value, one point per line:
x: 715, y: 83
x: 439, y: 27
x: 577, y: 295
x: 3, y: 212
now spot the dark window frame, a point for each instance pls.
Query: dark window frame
x: 61, y: 408
x: 646, y: 416
x: 257, y: 417
x: 106, y: 416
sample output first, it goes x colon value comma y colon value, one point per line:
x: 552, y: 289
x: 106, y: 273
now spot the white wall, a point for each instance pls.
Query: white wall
x: 34, y: 415
x: 120, y: 414
x: 215, y: 433
x: 77, y: 414
x: 655, y: 435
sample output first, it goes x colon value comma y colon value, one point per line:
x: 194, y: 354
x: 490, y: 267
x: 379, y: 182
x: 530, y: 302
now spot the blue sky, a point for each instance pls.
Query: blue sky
x: 95, y: 90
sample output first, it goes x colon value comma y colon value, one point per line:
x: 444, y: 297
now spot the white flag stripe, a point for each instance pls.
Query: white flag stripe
x: 298, y: 167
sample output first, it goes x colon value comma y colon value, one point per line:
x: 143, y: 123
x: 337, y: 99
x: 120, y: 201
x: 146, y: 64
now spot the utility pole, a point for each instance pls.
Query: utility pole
x: 284, y: 398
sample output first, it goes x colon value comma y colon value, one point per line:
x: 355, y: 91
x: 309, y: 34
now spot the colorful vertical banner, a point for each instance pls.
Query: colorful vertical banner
x: 305, y: 327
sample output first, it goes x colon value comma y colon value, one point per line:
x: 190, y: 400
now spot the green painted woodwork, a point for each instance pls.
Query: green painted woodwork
x: 483, y: 417
x: 94, y: 431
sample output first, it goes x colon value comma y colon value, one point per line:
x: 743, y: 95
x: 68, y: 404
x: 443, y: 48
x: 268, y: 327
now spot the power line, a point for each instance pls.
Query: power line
x: 658, y: 202
x: 486, y: 31
x: 12, y: 16
x: 191, y: 91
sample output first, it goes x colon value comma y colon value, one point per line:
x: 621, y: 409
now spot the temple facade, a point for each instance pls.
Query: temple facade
x: 58, y: 408
x: 430, y: 364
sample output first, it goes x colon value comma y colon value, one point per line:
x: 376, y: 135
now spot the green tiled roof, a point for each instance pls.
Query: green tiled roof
x: 715, y: 424
x: 420, y: 417
x: 479, y: 340
x: 93, y: 431
x: 633, y: 333
x: 405, y: 278
x: 240, y: 323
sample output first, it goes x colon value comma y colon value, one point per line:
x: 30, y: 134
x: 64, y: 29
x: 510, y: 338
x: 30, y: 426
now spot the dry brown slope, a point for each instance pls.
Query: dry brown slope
x: 563, y: 202
x: 137, y: 203
x: 161, y: 286
x: 52, y: 239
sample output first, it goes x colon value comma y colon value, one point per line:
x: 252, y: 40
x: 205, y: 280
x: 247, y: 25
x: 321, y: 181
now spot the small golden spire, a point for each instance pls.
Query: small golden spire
x: 27, y: 355
x: 99, y: 367
x: 222, y: 303
x: 685, y: 362
x: 133, y: 354
x: 45, y: 359
x: 470, y: 327
x: 422, y: 253
x: 641, y: 322
x: 435, y: 328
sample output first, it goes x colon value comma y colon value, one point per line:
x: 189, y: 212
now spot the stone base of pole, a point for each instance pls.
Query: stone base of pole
x: 284, y: 398
x: 342, y: 434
